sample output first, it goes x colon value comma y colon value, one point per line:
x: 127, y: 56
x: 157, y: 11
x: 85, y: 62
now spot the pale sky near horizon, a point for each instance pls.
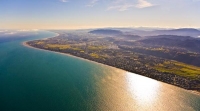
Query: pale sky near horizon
x: 77, y: 14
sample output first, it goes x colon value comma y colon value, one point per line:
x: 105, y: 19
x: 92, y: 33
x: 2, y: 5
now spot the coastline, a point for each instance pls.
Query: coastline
x: 26, y: 45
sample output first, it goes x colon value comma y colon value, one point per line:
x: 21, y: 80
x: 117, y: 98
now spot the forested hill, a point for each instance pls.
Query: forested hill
x: 186, y: 42
x: 106, y: 32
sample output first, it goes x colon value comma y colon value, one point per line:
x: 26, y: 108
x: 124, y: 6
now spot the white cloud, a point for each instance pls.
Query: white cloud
x: 143, y: 4
x: 1, y: 31
x: 120, y: 7
x: 25, y: 30
x: 10, y: 33
x: 123, y: 5
x: 35, y: 29
x: 64, y: 0
x: 92, y: 3
x: 119, y: 1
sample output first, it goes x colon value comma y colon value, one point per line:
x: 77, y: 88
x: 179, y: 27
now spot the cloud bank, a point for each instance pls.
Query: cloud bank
x: 120, y: 5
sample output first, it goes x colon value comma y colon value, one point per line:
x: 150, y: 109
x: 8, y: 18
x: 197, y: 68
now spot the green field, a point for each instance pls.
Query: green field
x: 179, y: 68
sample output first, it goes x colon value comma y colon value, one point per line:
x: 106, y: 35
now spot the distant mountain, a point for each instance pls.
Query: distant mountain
x: 106, y: 32
x: 116, y: 33
x: 174, y: 37
x: 186, y: 42
x: 129, y: 29
x: 148, y: 31
x: 180, y: 32
x: 131, y: 37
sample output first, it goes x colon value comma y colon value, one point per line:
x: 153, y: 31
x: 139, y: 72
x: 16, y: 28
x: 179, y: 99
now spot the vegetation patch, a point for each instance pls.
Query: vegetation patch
x: 179, y: 68
x: 96, y: 47
x: 94, y: 55
x: 58, y: 46
x: 39, y: 42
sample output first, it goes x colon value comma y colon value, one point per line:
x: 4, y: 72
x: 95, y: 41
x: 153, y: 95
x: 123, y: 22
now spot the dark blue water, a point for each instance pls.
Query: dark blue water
x: 37, y: 80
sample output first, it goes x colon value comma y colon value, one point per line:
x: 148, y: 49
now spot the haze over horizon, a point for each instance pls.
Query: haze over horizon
x: 74, y: 14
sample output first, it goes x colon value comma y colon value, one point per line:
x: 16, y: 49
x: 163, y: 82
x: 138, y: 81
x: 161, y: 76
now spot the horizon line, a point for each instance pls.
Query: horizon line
x: 87, y: 28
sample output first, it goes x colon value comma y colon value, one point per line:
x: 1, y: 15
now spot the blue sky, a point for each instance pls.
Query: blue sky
x: 76, y: 14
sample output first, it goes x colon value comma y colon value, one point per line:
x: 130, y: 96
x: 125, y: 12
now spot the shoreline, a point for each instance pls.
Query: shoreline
x: 26, y: 45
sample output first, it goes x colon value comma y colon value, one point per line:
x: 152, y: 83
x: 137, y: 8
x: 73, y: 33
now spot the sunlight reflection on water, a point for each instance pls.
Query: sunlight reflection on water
x: 143, y: 89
